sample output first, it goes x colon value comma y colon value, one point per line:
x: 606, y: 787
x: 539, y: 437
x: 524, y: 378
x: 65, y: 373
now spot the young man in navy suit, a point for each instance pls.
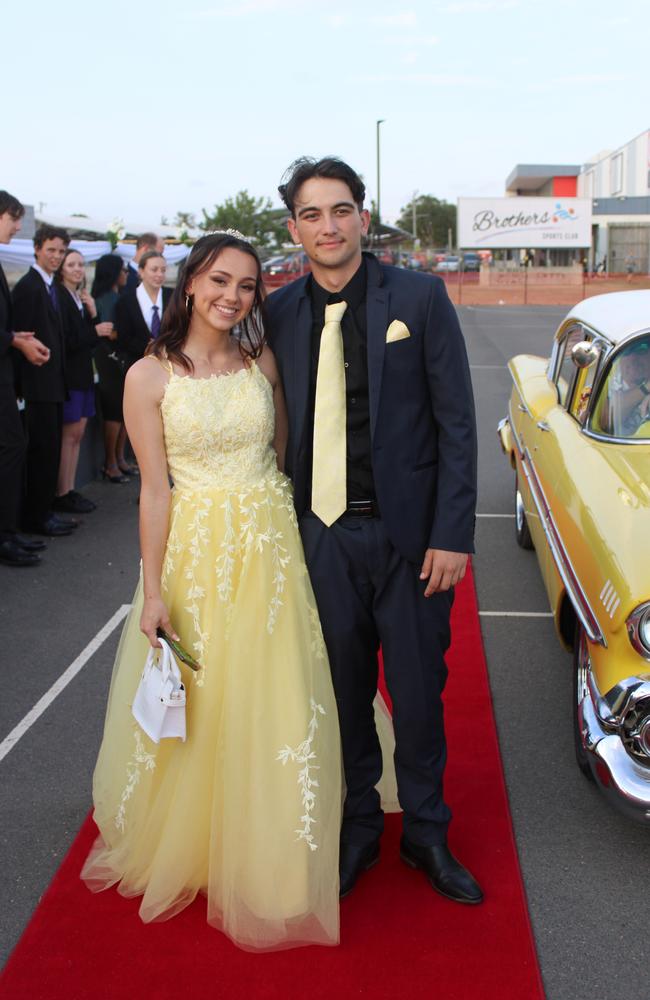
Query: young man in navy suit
x: 382, y: 453
x: 36, y: 307
x: 15, y: 549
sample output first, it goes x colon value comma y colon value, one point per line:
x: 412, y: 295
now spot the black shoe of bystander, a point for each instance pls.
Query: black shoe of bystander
x: 52, y: 527
x: 13, y: 555
x: 73, y: 503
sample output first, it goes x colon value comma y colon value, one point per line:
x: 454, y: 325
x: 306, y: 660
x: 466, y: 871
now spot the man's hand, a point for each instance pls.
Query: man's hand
x: 442, y: 569
x: 31, y: 348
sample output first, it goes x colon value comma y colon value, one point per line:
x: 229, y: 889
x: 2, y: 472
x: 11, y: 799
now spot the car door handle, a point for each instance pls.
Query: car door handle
x: 543, y: 426
x: 520, y: 406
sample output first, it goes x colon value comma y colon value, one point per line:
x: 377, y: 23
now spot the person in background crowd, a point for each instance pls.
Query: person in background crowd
x: 36, y: 307
x: 15, y: 549
x: 81, y: 333
x: 138, y: 314
x: 144, y: 244
x: 110, y: 279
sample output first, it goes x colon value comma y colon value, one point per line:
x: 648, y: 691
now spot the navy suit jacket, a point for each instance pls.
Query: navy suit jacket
x: 422, y: 422
x: 133, y: 334
x: 33, y: 310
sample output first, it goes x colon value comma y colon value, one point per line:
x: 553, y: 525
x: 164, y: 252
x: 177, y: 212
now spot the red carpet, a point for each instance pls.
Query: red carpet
x: 399, y: 938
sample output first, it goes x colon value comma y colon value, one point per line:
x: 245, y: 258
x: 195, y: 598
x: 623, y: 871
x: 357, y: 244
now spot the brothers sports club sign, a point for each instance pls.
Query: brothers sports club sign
x: 522, y: 223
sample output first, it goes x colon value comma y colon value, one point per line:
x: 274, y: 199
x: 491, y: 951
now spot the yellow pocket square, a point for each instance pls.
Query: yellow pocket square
x: 397, y: 331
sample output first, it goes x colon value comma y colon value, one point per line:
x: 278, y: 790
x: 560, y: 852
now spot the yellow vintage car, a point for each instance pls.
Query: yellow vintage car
x: 578, y: 437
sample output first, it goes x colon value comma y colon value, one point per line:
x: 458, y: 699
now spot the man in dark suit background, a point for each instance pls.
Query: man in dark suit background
x: 144, y: 243
x: 382, y: 453
x: 15, y: 549
x: 36, y: 307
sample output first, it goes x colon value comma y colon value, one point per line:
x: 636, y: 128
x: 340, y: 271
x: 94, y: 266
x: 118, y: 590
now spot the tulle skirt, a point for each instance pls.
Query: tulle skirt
x: 247, y: 811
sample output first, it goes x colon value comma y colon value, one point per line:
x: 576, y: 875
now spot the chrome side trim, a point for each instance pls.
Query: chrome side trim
x: 607, y: 439
x: 577, y: 596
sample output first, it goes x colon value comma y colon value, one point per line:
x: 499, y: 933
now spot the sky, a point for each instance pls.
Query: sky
x: 138, y: 109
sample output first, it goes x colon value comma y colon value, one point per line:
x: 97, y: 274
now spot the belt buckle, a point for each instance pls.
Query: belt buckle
x: 361, y: 508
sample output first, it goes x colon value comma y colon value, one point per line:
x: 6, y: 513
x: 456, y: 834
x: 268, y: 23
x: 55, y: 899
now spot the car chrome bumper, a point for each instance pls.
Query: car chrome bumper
x: 621, y: 779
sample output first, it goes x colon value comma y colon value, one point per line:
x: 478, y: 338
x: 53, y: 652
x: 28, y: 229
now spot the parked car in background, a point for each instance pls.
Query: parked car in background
x: 471, y: 261
x: 577, y: 435
x: 273, y: 264
x: 450, y: 262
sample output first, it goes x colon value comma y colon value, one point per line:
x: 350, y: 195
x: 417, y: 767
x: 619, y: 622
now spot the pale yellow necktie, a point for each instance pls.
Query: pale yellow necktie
x: 328, y: 481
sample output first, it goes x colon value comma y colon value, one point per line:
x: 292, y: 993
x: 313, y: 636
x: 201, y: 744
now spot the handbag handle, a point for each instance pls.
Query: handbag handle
x: 167, y: 661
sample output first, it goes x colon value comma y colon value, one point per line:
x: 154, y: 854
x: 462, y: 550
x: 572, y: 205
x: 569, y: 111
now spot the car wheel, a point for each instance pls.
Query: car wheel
x: 521, y: 524
x: 580, y: 670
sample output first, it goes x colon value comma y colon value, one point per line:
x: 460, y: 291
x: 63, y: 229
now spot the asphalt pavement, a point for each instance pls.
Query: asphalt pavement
x: 583, y: 863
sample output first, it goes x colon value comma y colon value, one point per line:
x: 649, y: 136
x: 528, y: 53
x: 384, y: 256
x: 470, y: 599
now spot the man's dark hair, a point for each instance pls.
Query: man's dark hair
x: 330, y: 167
x: 146, y: 240
x: 10, y: 204
x: 47, y: 232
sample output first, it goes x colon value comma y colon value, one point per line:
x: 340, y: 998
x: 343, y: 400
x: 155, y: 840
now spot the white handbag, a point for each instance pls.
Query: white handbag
x: 159, y: 703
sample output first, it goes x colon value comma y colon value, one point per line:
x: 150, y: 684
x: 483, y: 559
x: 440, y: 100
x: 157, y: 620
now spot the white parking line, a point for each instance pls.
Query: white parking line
x: 495, y: 515
x: 516, y: 614
x: 68, y: 674
x: 498, y: 368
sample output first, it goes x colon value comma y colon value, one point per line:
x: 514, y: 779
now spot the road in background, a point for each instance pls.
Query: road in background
x: 583, y: 864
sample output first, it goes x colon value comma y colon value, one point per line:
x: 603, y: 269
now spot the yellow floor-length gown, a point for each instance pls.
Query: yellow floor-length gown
x: 247, y: 811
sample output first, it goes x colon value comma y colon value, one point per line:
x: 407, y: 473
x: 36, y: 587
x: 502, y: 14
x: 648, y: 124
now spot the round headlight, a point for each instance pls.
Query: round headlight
x: 638, y: 629
x: 644, y: 628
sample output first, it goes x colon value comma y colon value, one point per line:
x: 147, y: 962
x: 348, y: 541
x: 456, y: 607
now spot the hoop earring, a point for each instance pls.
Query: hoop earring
x: 188, y: 303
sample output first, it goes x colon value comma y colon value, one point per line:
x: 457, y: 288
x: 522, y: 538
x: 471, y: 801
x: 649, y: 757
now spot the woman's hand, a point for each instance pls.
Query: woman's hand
x: 155, y: 615
x: 89, y: 302
x: 104, y: 330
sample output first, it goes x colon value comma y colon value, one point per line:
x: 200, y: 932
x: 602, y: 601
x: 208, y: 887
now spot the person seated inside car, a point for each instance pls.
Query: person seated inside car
x: 626, y: 407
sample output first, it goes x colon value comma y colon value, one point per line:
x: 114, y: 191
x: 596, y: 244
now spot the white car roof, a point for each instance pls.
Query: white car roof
x: 616, y: 315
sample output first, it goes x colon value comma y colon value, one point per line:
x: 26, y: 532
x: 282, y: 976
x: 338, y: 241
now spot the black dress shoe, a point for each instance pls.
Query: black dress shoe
x: 67, y: 522
x: 88, y: 504
x: 72, y: 503
x: 446, y: 875
x: 29, y: 544
x: 353, y: 860
x: 13, y: 555
x: 52, y: 527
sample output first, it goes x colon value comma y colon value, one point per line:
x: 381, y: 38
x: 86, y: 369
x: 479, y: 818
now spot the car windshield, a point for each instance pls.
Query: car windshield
x: 622, y: 409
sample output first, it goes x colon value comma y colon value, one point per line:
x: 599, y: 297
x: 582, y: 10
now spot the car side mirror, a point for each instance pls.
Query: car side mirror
x: 584, y: 354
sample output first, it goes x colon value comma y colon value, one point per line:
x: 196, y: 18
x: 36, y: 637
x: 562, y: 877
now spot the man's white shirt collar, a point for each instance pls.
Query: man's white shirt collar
x: 47, y: 278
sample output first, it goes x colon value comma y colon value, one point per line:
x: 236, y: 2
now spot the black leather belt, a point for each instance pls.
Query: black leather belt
x: 362, y: 508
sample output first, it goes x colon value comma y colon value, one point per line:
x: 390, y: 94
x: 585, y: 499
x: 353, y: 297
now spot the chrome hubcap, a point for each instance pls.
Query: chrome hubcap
x: 520, y: 514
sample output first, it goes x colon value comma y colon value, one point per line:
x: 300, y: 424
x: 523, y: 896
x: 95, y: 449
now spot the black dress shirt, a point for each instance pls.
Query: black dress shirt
x: 360, y: 482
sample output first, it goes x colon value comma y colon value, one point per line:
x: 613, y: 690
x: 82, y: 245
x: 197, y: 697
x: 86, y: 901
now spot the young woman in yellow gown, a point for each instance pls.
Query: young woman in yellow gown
x: 247, y: 810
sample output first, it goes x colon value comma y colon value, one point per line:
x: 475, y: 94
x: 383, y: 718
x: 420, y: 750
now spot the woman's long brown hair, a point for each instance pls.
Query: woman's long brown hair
x: 176, y: 318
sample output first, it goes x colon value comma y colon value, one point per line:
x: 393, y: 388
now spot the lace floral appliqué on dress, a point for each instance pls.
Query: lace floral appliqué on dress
x: 219, y: 814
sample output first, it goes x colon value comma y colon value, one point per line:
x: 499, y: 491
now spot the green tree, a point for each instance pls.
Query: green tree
x: 433, y: 220
x: 253, y: 217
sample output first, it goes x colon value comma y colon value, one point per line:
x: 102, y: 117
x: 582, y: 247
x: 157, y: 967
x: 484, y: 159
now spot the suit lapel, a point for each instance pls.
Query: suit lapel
x: 4, y: 287
x: 301, y: 363
x: 377, y: 321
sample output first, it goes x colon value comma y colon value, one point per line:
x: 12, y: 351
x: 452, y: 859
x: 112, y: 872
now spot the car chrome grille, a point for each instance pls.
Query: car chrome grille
x: 635, y: 732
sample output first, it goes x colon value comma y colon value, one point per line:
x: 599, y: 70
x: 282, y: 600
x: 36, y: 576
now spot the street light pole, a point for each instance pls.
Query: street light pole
x: 380, y: 121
